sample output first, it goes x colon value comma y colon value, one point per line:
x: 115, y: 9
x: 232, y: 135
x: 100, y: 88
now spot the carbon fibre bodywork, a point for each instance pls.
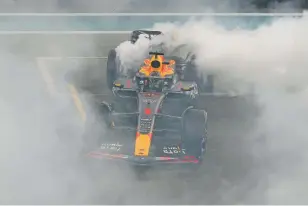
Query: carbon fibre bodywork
x: 162, y: 123
x: 151, y: 127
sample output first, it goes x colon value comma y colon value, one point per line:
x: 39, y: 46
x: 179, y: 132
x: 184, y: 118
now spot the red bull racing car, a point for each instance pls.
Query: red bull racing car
x: 152, y: 117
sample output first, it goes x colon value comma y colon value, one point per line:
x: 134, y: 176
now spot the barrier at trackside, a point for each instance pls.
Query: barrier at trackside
x: 122, y: 22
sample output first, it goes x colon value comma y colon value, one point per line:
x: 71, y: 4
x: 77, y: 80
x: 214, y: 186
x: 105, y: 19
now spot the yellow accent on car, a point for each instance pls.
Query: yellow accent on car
x: 142, y: 144
x: 117, y: 84
x: 186, y: 88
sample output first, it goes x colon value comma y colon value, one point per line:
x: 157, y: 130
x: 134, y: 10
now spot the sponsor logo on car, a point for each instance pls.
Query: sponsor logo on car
x: 173, y: 150
x: 111, y: 146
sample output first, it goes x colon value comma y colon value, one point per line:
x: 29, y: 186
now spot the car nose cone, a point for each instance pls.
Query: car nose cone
x: 142, y: 160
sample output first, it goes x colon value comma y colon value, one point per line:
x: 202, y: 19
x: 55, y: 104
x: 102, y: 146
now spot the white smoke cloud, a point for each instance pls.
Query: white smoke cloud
x: 37, y: 166
x: 274, y: 59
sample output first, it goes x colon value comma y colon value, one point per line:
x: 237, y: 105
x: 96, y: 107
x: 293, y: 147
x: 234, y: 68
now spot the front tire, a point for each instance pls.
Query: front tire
x: 195, y: 132
x: 96, y: 127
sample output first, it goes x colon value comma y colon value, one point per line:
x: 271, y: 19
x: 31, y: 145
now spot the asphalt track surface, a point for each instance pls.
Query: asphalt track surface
x: 228, y: 175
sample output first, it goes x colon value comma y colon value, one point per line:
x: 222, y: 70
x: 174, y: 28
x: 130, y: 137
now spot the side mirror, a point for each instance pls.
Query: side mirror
x: 171, y: 62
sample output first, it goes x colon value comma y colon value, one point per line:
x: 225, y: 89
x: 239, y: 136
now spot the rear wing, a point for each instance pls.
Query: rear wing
x: 149, y: 33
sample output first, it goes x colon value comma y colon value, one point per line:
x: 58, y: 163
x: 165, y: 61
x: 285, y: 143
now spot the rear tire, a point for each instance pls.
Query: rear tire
x: 205, y: 82
x: 112, y: 69
x: 209, y: 85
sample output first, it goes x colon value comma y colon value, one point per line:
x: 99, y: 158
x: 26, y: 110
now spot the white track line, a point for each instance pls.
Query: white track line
x: 41, y: 61
x: 152, y: 14
x: 62, y: 32
x: 46, y: 77
x: 77, y: 102
x: 70, y: 57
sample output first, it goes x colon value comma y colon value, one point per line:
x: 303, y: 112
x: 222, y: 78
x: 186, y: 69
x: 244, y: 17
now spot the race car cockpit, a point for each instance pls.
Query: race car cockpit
x: 156, y: 66
x: 155, y: 74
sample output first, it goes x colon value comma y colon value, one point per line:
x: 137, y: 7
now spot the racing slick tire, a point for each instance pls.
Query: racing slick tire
x: 112, y: 68
x: 195, y: 132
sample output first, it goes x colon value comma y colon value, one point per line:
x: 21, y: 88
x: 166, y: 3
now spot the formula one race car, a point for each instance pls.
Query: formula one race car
x: 152, y: 118
x: 182, y: 55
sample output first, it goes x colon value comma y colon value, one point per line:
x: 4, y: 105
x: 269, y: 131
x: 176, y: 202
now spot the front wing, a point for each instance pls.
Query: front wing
x: 166, y: 147
x: 99, y: 155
